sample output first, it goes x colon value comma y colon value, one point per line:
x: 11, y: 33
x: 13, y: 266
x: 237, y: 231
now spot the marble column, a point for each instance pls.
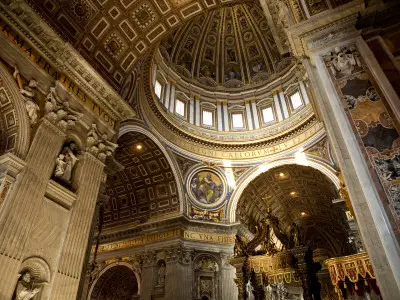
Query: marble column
x: 248, y: 114
x: 283, y: 104
x: 277, y: 105
x: 88, y: 177
x: 374, y: 224
x: 20, y: 210
x: 255, y: 114
x: 172, y: 99
x: 220, y: 123
x: 225, y: 115
x: 166, y: 95
x: 197, y: 109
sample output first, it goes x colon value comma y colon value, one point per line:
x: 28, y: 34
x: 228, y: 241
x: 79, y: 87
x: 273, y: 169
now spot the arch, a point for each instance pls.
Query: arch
x: 15, y: 126
x: 110, y: 266
x: 310, y: 162
x: 179, y: 181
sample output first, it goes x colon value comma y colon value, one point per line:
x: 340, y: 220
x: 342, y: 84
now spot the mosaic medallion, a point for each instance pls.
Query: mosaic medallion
x: 207, y: 188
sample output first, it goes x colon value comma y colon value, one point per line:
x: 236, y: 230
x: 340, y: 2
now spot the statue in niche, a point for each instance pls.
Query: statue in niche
x: 29, y: 93
x: 65, y: 163
x: 25, y: 288
x: 161, y: 274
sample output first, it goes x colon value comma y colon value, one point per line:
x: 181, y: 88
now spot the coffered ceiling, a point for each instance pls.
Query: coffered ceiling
x: 146, y: 187
x: 296, y: 194
x: 114, y: 35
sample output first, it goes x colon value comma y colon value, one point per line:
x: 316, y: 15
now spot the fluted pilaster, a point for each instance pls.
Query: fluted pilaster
x: 88, y: 179
x: 20, y: 211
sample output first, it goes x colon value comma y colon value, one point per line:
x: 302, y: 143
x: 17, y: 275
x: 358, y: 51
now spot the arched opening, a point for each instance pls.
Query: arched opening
x: 301, y: 195
x: 285, y: 209
x: 116, y: 283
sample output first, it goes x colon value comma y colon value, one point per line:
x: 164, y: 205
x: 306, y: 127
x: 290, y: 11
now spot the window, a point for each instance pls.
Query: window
x: 157, y: 89
x: 237, y: 120
x: 180, y: 107
x: 296, y: 100
x: 208, y: 118
x: 268, y: 114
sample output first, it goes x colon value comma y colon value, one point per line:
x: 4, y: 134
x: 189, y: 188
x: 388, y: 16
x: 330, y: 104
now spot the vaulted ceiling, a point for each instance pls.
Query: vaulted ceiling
x: 146, y: 187
x: 297, y: 194
x: 113, y: 35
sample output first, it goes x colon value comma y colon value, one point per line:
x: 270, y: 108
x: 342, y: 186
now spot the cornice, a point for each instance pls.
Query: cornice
x: 26, y: 21
x: 323, y: 24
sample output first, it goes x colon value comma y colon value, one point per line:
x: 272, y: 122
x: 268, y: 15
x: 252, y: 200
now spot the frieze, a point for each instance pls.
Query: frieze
x: 208, y: 237
x: 50, y: 69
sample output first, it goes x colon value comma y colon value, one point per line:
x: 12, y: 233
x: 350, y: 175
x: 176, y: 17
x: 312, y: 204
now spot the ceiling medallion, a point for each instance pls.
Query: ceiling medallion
x: 207, y: 188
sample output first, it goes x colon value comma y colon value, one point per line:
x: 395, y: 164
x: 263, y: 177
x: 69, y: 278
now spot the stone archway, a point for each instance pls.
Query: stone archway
x: 301, y: 195
x: 116, y: 282
x: 325, y: 169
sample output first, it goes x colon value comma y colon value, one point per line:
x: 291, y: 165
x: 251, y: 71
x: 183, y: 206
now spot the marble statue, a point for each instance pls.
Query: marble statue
x: 25, y: 289
x: 65, y: 163
x: 294, y: 235
x: 60, y: 112
x: 60, y: 166
x: 161, y: 274
x: 29, y: 93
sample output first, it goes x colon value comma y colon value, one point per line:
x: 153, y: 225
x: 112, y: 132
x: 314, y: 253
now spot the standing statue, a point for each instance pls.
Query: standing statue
x: 161, y: 274
x: 29, y: 93
x: 70, y: 159
x: 25, y: 289
x: 294, y: 235
x: 60, y: 166
x: 65, y: 163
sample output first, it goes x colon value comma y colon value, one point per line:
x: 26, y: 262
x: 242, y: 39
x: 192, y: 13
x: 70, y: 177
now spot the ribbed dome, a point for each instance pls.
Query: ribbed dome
x: 230, y: 47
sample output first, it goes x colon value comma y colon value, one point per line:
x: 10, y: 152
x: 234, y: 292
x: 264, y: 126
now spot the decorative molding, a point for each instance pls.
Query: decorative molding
x: 60, y: 195
x: 11, y: 165
x: 21, y: 16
